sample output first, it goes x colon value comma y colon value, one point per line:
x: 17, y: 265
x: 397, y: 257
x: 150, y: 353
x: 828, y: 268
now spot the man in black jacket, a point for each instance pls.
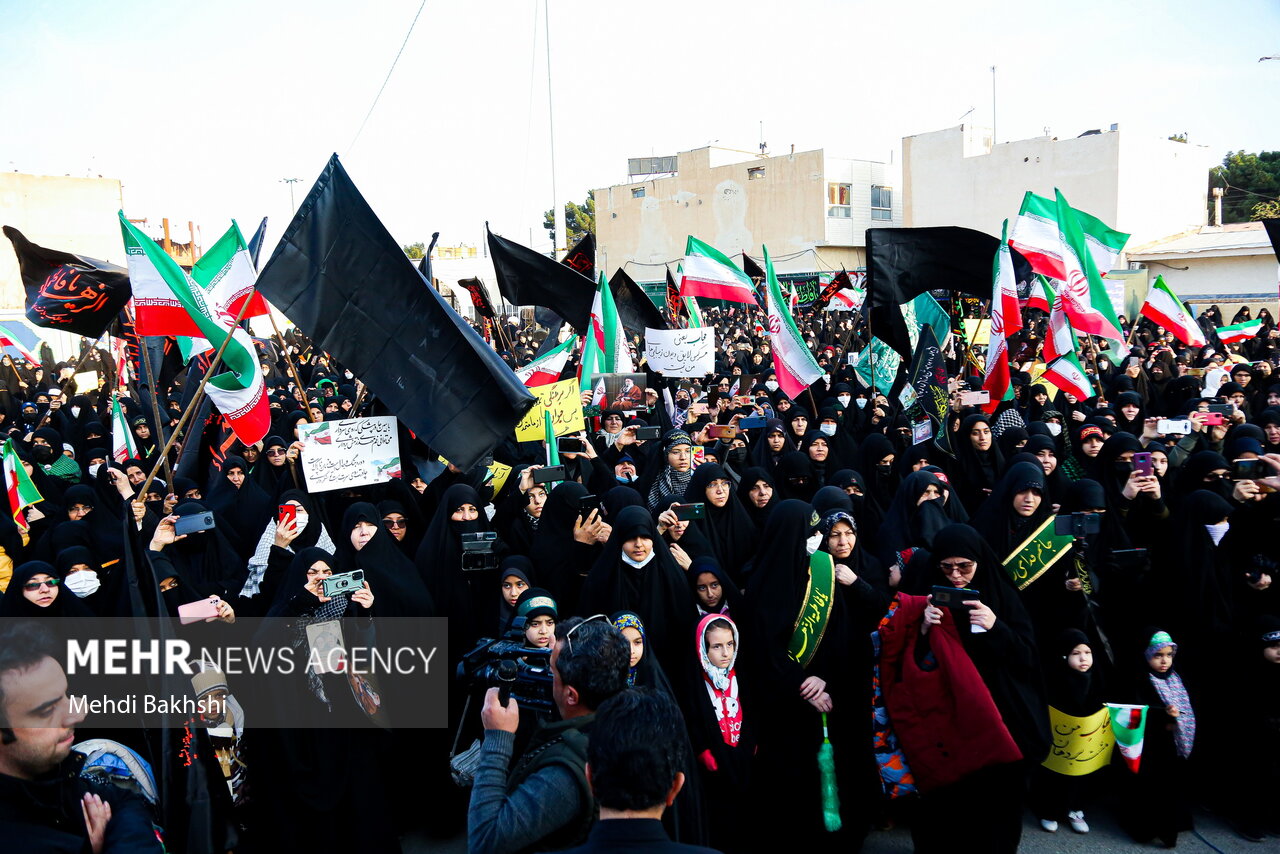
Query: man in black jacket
x: 44, y: 804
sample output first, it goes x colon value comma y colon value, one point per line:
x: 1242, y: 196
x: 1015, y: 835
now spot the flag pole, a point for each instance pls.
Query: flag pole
x: 62, y: 384
x: 145, y: 352
x: 195, y: 399
x: 1093, y: 359
x: 293, y: 370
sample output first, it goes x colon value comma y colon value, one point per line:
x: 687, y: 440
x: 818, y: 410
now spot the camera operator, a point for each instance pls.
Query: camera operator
x: 545, y: 802
x: 44, y: 805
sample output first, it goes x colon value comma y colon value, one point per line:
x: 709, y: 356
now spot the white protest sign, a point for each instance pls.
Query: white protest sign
x: 681, y: 352
x: 354, y: 452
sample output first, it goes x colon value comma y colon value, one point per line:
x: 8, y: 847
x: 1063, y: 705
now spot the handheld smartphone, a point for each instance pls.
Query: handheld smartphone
x: 587, y: 503
x: 1171, y: 425
x: 548, y: 474
x: 1213, y: 419
x: 1248, y: 469
x: 1223, y: 408
x: 288, y: 513
x: 343, y: 582
x: 1077, y: 524
x: 647, y: 433
x: 752, y: 422
x: 722, y: 431
x: 1142, y: 463
x: 197, y: 612
x: 974, y: 398
x: 953, y: 597
x: 194, y: 523
x: 569, y: 445
x: 689, y: 512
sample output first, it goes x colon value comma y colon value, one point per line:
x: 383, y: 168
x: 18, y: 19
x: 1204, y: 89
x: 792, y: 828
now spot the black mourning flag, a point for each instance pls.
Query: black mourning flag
x: 903, y: 263
x: 582, y: 257
x: 635, y: 309
x: 1273, y: 234
x: 479, y: 297
x: 526, y: 277
x: 255, y: 242
x: 341, y: 277
x: 69, y: 292
x: 676, y: 306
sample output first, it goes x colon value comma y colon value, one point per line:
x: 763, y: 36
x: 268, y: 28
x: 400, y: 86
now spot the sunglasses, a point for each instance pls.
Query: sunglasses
x: 33, y: 586
x: 277, y: 452
x: 568, y: 636
x: 395, y: 523
x: 962, y: 566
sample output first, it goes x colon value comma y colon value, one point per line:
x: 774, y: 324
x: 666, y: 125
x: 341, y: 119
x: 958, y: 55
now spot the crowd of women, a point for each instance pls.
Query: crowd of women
x: 784, y: 583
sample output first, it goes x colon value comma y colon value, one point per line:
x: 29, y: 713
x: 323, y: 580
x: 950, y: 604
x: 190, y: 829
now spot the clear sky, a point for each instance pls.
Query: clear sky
x: 202, y: 109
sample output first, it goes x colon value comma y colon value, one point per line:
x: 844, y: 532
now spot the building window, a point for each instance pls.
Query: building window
x: 881, y: 203
x: 839, y: 198
x: 637, y: 192
x: 755, y: 172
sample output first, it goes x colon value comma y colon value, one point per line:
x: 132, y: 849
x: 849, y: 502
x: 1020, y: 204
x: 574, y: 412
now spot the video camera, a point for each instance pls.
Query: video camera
x: 1077, y: 525
x: 507, y: 664
x: 477, y: 550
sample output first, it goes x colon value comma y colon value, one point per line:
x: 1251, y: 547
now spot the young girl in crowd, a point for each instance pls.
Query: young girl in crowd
x: 1075, y: 690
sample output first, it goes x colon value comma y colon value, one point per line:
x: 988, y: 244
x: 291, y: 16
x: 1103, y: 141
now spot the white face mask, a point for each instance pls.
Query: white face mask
x: 1055, y: 429
x: 75, y: 412
x: 861, y: 403
x: 630, y: 561
x: 844, y: 399
x: 811, y: 544
x: 827, y: 429
x: 826, y: 378
x: 772, y: 385
x: 1218, y: 531
x: 82, y: 583
x: 93, y: 469
x: 301, y: 521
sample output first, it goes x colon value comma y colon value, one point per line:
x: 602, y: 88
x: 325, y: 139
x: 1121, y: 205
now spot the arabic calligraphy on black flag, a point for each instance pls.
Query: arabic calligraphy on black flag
x: 67, y: 291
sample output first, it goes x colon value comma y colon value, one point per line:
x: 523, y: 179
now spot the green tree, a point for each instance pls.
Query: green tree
x: 1266, y: 210
x: 579, y: 220
x: 415, y: 250
x: 1247, y: 179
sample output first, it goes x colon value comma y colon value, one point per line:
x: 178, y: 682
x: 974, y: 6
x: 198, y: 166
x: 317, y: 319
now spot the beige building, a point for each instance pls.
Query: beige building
x: 812, y: 211
x: 1230, y: 266
x: 1145, y: 186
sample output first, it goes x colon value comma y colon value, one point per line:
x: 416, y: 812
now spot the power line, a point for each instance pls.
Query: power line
x: 387, y: 78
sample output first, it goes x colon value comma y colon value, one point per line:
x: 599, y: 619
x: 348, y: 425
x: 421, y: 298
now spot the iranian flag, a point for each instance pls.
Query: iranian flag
x: 1129, y: 726
x: 22, y: 492
x: 1164, y: 309
x: 546, y: 369
x: 707, y: 272
x: 1037, y: 234
x: 1062, y: 337
x: 1239, y: 331
x: 1041, y: 296
x: 226, y: 271
x: 122, y: 447
x: 605, y: 350
x: 1068, y: 374
x: 998, y: 380
x: 19, y: 342
x: 1069, y: 245
x: 792, y: 360
x: 239, y: 392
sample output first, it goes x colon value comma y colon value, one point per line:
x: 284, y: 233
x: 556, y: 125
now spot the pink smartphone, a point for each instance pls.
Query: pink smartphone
x: 197, y: 612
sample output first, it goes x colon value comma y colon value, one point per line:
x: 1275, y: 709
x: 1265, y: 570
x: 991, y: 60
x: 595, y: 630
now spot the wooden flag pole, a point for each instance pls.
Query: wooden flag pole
x: 62, y: 384
x: 195, y: 400
x: 145, y: 352
x: 1093, y: 359
x: 293, y: 370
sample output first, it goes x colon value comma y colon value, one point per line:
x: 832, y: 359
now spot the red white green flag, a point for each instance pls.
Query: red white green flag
x: 239, y: 392
x: 998, y: 379
x: 1239, y: 331
x: 546, y: 369
x: 1129, y: 726
x: 122, y: 447
x: 793, y: 362
x: 1068, y: 374
x: 605, y: 350
x: 22, y: 492
x: 1070, y: 245
x: 708, y: 272
x: 1041, y: 296
x: 1164, y: 309
x: 1062, y: 337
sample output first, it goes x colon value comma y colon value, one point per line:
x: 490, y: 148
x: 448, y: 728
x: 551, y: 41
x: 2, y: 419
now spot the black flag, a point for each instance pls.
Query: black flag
x: 582, y: 257
x: 479, y: 297
x: 342, y: 278
x: 903, y: 263
x: 69, y: 292
x: 676, y: 306
x: 757, y: 275
x: 526, y: 277
x: 255, y: 242
x: 635, y: 309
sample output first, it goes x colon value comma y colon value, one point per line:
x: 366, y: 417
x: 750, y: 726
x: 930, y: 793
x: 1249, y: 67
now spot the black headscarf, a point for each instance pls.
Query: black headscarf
x: 996, y: 519
x: 911, y: 523
x: 750, y: 478
x: 397, y: 588
x: 794, y: 476
x: 657, y: 591
x: 15, y: 604
x: 728, y: 529
x: 561, y: 561
x: 244, y: 512
x: 1072, y: 691
x: 205, y: 561
x: 973, y: 470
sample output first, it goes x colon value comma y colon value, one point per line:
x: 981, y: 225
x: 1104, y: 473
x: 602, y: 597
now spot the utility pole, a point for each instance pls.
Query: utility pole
x: 994, y: 137
x: 557, y: 209
x: 290, y: 182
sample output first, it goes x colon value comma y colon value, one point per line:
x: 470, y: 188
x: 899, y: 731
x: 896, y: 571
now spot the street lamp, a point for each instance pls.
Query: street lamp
x: 290, y: 182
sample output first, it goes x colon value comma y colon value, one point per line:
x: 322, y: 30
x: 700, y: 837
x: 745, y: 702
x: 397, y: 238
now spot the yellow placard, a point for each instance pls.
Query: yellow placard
x: 563, y: 400
x: 500, y: 471
x: 977, y: 332
x: 1080, y: 745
